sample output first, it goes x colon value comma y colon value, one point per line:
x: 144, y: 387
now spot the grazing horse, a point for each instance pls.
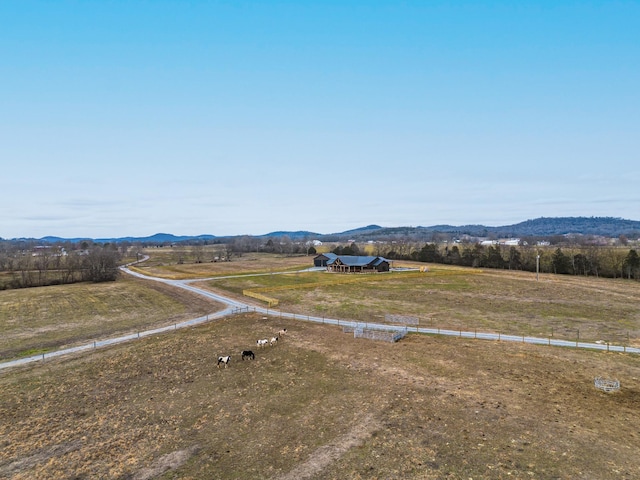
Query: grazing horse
x: 282, y: 332
x: 262, y: 343
x: 273, y: 341
x: 248, y: 354
x: 224, y: 361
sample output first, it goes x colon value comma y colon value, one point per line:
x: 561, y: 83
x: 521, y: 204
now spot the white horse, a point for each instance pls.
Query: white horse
x: 224, y: 361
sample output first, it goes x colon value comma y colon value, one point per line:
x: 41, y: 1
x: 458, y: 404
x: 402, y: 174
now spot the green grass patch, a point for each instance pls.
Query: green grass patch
x: 32, y: 352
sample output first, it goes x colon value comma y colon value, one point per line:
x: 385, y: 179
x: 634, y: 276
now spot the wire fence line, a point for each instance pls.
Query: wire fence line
x: 402, y: 319
x: 407, y: 321
x: 42, y: 357
x: 609, y: 347
x: 235, y: 307
x: 361, y: 330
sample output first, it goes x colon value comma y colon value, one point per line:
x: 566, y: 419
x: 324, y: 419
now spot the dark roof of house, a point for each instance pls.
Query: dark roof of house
x: 357, y: 260
x: 328, y: 255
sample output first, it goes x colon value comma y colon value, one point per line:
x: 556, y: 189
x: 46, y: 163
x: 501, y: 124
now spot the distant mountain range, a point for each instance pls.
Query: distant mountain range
x: 158, y: 238
x: 540, y: 227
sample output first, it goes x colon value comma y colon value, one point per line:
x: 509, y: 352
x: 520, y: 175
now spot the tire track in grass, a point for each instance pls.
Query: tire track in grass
x: 324, y: 456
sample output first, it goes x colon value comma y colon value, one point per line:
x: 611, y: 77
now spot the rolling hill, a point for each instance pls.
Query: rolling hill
x: 539, y: 227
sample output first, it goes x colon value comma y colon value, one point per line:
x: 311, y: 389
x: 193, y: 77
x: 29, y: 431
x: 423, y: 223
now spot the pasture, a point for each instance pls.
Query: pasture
x: 558, y: 306
x: 164, y: 263
x: 320, y: 404
x: 38, y: 320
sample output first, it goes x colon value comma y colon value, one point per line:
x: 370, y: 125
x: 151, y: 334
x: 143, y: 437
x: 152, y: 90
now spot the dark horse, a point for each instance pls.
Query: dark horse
x: 248, y: 354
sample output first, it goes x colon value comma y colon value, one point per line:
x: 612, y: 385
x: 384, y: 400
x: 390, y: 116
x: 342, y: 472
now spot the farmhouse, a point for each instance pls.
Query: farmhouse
x: 322, y: 259
x: 351, y: 263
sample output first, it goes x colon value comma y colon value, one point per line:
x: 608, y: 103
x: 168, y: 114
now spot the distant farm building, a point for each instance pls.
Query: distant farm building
x: 351, y: 263
x: 503, y: 242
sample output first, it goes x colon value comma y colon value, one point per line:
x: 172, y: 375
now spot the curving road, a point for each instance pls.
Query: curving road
x: 234, y: 306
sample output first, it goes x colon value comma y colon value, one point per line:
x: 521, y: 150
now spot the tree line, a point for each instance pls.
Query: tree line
x: 26, y: 264
x: 580, y: 258
x: 610, y: 262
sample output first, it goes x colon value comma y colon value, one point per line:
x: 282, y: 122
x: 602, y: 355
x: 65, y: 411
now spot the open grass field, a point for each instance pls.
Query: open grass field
x: 37, y: 320
x: 163, y: 264
x: 320, y: 405
x: 560, y: 306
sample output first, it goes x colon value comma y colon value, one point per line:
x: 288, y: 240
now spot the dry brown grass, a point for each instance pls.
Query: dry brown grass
x: 324, y: 405
x: 37, y: 320
x: 558, y: 306
x: 163, y: 264
x: 320, y: 404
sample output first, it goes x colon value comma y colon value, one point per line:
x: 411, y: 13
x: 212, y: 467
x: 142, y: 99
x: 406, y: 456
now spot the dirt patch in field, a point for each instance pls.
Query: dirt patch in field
x: 169, y: 461
x: 38, y: 457
x: 328, y: 454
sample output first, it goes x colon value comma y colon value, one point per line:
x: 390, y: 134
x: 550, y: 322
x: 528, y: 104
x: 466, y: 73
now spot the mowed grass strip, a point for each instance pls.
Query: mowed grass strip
x: 37, y: 320
x: 320, y: 404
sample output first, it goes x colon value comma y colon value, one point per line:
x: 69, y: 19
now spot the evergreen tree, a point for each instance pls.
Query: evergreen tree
x: 581, y: 265
x: 453, y: 256
x: 472, y: 256
x: 631, y: 264
x: 561, y: 263
x: 515, y: 259
x: 493, y: 257
x: 429, y: 253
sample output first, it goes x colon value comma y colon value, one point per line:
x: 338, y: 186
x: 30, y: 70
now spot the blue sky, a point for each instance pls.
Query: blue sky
x: 123, y: 118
